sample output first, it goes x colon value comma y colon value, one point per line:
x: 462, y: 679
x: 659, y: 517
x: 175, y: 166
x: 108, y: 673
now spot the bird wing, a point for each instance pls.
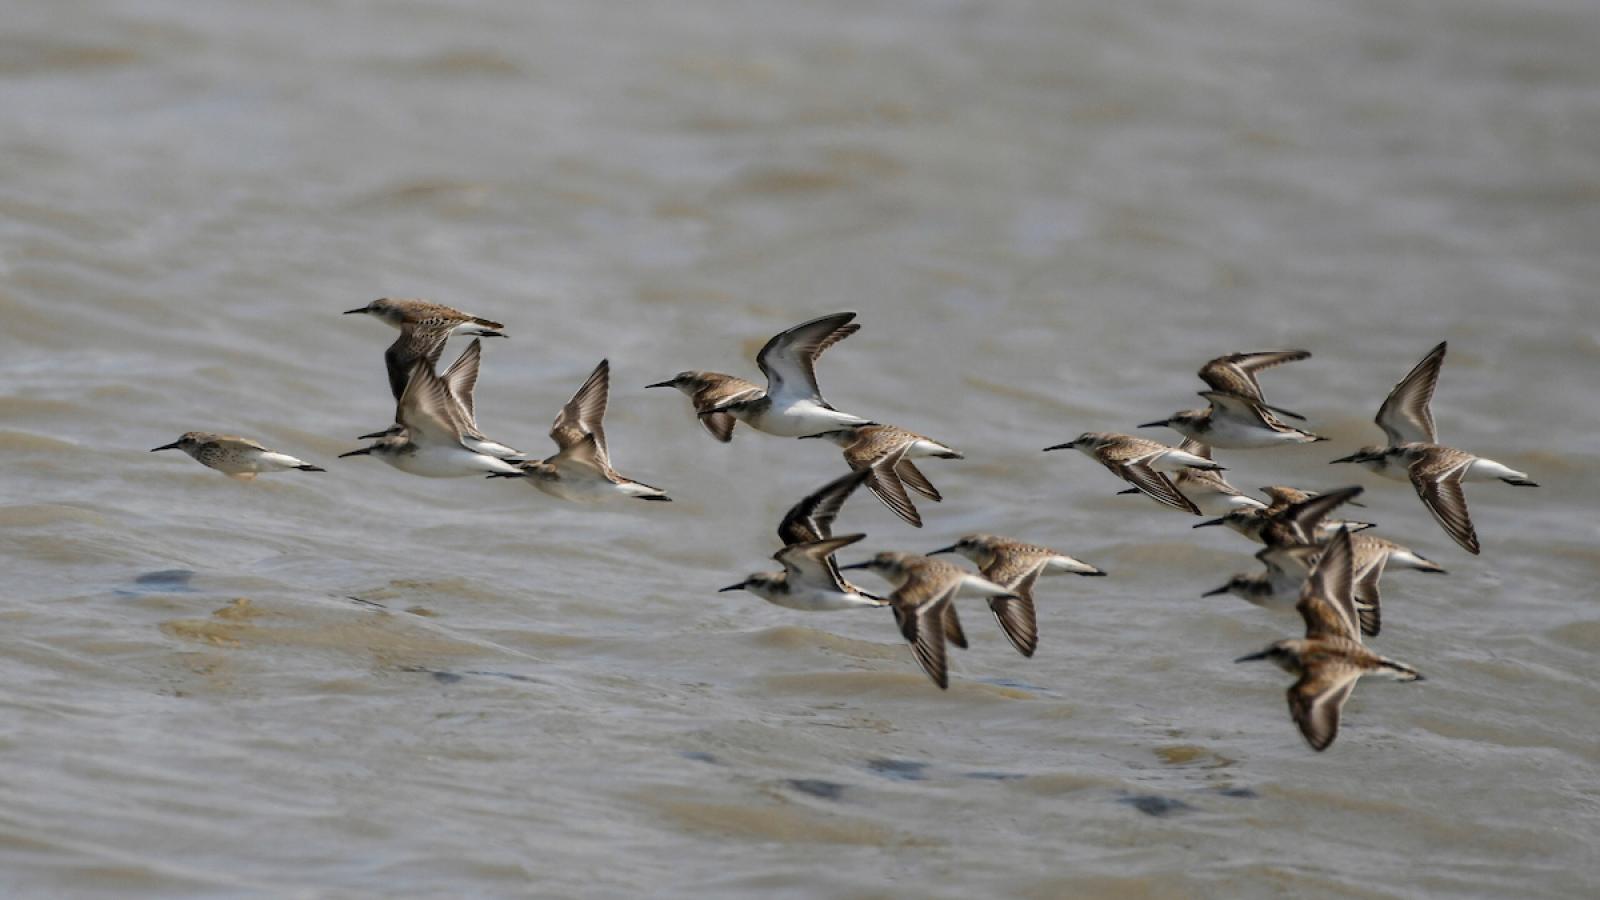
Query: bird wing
x: 413, y: 344
x: 583, y: 413
x: 462, y: 379
x: 1316, y: 699
x: 1243, y: 408
x: 813, y: 560
x: 1406, y: 416
x: 1155, y: 484
x: 812, y: 518
x: 1437, y: 478
x: 919, y: 611
x: 1236, y: 372
x: 1368, y: 572
x: 914, y: 479
x: 1016, y: 615
x: 789, y: 358
x: 1327, y: 602
x: 886, y: 485
x: 720, y: 424
x: 1304, y: 517
x: 426, y: 408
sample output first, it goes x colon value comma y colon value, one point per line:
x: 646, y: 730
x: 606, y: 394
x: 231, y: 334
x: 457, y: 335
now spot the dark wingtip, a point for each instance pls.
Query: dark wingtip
x: 311, y: 468
x: 656, y: 499
x: 1095, y: 574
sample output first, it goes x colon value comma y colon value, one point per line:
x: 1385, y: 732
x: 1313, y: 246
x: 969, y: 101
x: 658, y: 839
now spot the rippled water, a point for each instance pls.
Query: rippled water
x: 1047, y: 215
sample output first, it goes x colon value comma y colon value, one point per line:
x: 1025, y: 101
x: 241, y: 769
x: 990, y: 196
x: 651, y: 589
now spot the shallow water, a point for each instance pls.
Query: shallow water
x: 1047, y: 215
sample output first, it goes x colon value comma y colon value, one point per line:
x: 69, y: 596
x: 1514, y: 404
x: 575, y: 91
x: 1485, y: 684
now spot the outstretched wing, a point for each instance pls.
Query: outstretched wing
x: 1316, y: 699
x: 812, y: 518
x: 789, y: 359
x: 1406, y: 415
x: 1437, y: 478
x: 584, y: 413
x: 1327, y: 599
x: 1236, y: 372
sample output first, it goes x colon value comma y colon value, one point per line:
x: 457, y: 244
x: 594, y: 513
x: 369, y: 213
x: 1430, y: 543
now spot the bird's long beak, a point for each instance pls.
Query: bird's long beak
x: 364, y: 451
x: 733, y: 587
x: 1161, y: 424
x: 667, y: 383
x: 949, y: 549
x: 1067, y: 446
x: 351, y: 312
x: 1252, y: 657
x: 1354, y: 457
x: 171, y: 446
x: 1209, y: 522
x: 1213, y: 593
x: 376, y: 434
x: 859, y: 565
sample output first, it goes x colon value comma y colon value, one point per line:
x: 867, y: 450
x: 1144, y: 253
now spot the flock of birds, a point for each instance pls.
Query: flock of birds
x: 1326, y: 569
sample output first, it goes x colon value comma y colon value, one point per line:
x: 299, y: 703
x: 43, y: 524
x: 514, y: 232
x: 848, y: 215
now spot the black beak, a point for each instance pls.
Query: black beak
x: 1354, y: 457
x: 171, y: 446
x: 859, y: 565
x: 351, y: 312
x: 1067, y: 446
x: 1213, y: 593
x: 949, y: 549
x: 374, y: 436
x: 733, y: 587
x: 1161, y: 424
x: 667, y: 383
x: 1210, y: 522
x: 1252, y: 657
x: 364, y: 451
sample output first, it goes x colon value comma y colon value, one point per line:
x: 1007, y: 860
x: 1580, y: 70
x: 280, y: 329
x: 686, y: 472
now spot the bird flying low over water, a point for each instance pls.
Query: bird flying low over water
x: 424, y: 328
x: 1234, y: 422
x: 1302, y: 522
x: 432, y: 438
x: 1142, y: 463
x: 238, y: 458
x: 708, y: 391
x: 1413, y: 453
x: 923, y: 604
x: 867, y: 445
x: 1236, y: 374
x: 580, y: 470
x: 460, y: 380
x: 1016, y: 566
x: 792, y: 404
x: 810, y: 579
x: 1330, y: 659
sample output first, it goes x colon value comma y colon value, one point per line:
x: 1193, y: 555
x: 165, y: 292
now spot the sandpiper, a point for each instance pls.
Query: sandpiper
x: 461, y: 379
x: 810, y: 579
x: 1278, y: 585
x: 866, y: 446
x: 238, y: 458
x: 1142, y: 463
x: 792, y: 404
x: 1236, y: 374
x: 1330, y: 659
x: 1015, y: 565
x: 1234, y: 422
x: 431, y: 441
x: 1296, y: 523
x: 923, y: 603
x: 580, y: 470
x: 424, y: 327
x: 709, y: 390
x: 1207, y: 490
x: 1413, y: 452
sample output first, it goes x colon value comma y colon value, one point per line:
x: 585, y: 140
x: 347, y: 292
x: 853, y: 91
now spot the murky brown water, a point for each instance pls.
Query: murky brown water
x: 1047, y: 215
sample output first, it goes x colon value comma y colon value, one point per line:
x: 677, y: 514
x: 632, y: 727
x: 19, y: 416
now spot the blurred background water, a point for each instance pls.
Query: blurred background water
x: 1047, y: 214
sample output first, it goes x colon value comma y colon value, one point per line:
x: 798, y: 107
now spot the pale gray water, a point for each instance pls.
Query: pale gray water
x: 1048, y: 215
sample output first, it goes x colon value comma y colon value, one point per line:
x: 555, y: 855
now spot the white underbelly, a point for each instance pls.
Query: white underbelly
x: 803, y: 418
x: 445, y: 462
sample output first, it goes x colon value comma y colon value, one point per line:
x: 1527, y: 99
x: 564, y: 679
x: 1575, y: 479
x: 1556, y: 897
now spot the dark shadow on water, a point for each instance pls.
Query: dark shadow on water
x: 1241, y: 793
x: 994, y: 776
x: 898, y: 769
x: 1152, y: 805
x: 827, y: 790
x: 166, y: 581
x: 699, y: 756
